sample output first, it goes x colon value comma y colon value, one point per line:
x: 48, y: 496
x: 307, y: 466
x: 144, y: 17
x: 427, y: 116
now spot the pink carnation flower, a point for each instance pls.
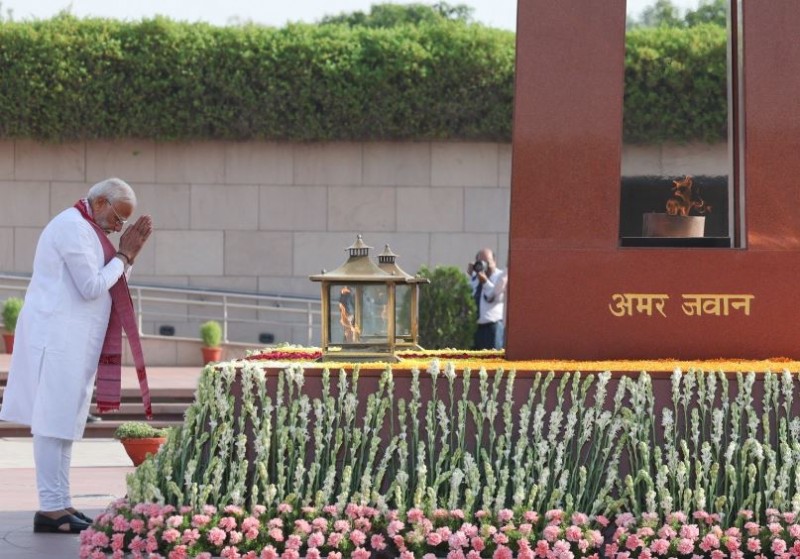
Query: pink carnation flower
x: 200, y: 520
x: 120, y: 523
x: 170, y: 535
x: 659, y: 546
x: 550, y: 533
x: 137, y: 525
x: 190, y: 536
x: 752, y: 528
x: 276, y: 534
x: 99, y: 539
x: 377, y: 542
x: 334, y: 539
x: 505, y: 515
x: 580, y: 519
x: 294, y: 542
x: 778, y: 545
x: 358, y: 537
x: 434, y: 538
x: 573, y: 533
x: 316, y: 539
x: 685, y: 546
x: 179, y: 552
x: 394, y: 527
x: 216, y: 536
x: 227, y: 523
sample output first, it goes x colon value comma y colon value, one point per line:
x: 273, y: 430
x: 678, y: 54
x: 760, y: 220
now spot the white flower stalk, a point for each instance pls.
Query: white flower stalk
x: 434, y: 369
x: 450, y: 372
x: 454, y: 498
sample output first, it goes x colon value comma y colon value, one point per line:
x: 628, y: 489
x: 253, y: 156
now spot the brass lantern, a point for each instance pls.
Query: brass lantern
x: 358, y: 309
x: 406, y: 329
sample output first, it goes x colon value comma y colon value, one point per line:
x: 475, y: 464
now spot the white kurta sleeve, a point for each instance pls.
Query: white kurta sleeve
x: 79, y: 253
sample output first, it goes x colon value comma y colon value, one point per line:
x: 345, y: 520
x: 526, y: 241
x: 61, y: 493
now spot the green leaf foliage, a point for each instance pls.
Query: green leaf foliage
x: 392, y: 15
x: 675, y: 84
x: 407, y: 78
x: 447, y: 314
x: 67, y: 78
x: 138, y: 430
x: 211, y: 333
x: 11, y: 309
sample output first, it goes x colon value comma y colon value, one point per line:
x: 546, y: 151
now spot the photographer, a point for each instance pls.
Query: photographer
x: 488, y: 287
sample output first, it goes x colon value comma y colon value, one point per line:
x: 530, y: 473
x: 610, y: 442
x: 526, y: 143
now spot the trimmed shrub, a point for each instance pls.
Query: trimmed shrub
x: 82, y: 79
x: 11, y: 309
x: 211, y: 333
x: 67, y: 79
x: 675, y: 84
x: 139, y: 430
x: 447, y: 314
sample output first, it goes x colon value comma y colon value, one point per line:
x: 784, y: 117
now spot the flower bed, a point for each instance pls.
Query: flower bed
x: 355, y: 531
x: 445, y: 451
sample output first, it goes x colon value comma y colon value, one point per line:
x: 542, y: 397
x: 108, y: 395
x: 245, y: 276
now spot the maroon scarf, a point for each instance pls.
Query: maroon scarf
x: 109, y: 368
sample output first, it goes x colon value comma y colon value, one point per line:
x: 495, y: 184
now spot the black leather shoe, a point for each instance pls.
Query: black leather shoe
x: 45, y: 524
x: 82, y: 516
x: 93, y: 418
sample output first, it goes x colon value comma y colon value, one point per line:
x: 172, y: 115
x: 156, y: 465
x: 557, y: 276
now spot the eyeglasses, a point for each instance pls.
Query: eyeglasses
x: 119, y: 219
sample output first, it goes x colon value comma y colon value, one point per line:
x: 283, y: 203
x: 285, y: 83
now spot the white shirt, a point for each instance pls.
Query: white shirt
x: 493, y: 296
x: 61, y: 329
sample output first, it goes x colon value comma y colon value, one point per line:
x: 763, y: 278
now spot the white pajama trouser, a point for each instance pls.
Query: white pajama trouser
x: 52, y: 457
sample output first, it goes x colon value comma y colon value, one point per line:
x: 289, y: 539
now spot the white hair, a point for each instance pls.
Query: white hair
x: 113, y: 190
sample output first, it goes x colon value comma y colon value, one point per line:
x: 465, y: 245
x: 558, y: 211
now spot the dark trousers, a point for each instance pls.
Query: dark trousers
x: 489, y: 336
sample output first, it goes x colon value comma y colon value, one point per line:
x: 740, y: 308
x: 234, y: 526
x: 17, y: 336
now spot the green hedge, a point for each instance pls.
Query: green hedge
x: 675, y: 84
x: 69, y: 78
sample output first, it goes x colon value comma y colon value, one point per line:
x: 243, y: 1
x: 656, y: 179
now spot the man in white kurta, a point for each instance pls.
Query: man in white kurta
x: 60, y: 335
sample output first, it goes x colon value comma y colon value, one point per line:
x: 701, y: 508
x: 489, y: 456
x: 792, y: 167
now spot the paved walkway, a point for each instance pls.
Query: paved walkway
x: 99, y: 467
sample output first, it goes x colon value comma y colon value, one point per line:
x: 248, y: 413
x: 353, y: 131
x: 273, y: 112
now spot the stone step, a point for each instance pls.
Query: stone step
x: 157, y: 395
x: 99, y: 430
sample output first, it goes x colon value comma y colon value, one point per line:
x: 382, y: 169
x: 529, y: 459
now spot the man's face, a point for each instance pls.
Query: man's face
x: 110, y: 216
x: 486, y: 256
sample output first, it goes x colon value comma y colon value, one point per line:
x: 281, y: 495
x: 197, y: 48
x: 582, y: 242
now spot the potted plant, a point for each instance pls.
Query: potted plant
x: 11, y: 308
x: 140, y: 439
x: 211, y: 334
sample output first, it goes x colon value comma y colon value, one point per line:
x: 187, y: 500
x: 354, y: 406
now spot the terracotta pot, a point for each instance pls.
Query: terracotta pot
x: 138, y: 449
x: 9, y: 340
x: 211, y: 355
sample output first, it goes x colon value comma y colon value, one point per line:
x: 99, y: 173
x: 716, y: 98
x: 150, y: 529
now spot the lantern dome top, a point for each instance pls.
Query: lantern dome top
x: 358, y: 268
x: 386, y: 262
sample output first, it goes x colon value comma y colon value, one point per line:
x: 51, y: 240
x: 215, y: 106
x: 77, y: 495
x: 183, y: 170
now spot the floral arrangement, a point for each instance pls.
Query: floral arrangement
x: 354, y: 531
x: 702, y: 535
x: 479, y: 455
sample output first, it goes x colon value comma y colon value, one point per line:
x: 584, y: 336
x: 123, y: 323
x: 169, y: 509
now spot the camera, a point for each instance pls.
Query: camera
x: 480, y: 266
